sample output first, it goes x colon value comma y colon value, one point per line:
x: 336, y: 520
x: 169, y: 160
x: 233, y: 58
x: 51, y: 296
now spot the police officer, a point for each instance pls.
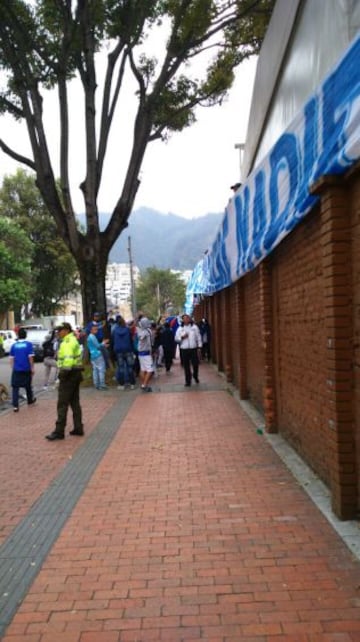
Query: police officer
x: 69, y: 362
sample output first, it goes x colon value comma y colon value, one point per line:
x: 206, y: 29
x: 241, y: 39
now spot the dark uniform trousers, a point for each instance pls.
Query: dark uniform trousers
x: 69, y: 395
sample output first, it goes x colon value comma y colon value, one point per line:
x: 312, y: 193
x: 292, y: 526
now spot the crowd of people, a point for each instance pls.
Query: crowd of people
x: 136, y: 349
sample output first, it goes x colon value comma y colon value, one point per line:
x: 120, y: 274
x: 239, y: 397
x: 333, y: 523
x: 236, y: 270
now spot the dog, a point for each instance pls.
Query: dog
x: 4, y: 393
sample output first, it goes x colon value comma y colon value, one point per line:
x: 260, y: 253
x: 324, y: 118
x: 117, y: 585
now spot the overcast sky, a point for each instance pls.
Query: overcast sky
x: 189, y: 176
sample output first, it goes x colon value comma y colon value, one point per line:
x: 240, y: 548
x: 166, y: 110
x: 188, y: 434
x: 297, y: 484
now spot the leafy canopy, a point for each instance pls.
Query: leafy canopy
x: 44, y: 43
x: 174, y: 54
x: 15, y: 265
x: 53, y: 270
x: 159, y: 290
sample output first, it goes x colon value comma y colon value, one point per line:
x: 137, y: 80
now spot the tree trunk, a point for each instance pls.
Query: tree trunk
x: 92, y: 276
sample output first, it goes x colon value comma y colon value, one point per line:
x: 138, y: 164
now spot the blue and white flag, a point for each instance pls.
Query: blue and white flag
x: 323, y: 139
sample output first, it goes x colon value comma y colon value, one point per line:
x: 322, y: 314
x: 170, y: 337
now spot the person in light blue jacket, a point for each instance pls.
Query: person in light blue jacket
x: 96, y: 358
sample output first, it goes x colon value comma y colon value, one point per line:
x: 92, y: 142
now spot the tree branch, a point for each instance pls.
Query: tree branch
x: 64, y: 164
x: 88, y: 78
x: 17, y: 157
x: 138, y: 76
x: 11, y: 108
x: 108, y: 105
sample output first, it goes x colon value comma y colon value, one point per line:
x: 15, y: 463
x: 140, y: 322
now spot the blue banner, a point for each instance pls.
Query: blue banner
x: 324, y: 138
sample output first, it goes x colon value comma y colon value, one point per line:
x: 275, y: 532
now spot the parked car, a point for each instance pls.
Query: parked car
x: 29, y: 326
x: 9, y: 337
x: 37, y: 338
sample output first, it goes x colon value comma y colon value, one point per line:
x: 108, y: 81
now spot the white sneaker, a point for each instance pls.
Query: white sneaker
x: 121, y: 387
x: 132, y: 387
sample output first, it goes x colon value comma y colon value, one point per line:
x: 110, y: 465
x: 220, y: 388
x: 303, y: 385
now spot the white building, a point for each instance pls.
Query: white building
x: 185, y: 275
x: 118, y: 282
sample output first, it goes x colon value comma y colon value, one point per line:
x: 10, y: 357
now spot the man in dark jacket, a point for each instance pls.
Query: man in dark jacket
x: 167, y: 341
x: 205, y: 332
x: 123, y: 349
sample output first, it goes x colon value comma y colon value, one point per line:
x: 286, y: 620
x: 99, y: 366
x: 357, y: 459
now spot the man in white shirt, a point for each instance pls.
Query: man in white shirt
x: 189, y: 339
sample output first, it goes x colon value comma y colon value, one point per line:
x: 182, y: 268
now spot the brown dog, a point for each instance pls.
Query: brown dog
x: 4, y: 393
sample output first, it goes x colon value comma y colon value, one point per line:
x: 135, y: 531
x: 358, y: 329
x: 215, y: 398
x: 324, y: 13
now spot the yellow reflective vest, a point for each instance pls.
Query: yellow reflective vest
x: 69, y: 353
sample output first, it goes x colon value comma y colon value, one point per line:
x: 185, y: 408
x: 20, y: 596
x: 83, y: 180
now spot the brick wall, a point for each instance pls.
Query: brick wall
x: 290, y: 333
x: 299, y: 342
x: 254, y: 351
x: 355, y: 237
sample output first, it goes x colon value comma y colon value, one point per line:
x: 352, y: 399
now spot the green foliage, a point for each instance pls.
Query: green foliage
x: 15, y: 265
x: 180, y: 54
x: 159, y: 290
x: 45, y: 41
x: 53, y: 270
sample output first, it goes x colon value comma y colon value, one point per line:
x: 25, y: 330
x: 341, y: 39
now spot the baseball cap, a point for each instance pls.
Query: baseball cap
x: 64, y: 326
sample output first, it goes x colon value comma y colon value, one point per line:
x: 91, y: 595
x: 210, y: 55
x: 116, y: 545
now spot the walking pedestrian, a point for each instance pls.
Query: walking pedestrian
x: 168, y: 344
x: 22, y: 362
x: 157, y: 349
x: 205, y: 331
x: 189, y: 339
x: 50, y: 349
x: 145, y: 352
x: 69, y: 361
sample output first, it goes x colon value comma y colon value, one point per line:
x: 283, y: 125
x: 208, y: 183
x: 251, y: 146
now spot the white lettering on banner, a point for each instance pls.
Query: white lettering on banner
x: 324, y: 138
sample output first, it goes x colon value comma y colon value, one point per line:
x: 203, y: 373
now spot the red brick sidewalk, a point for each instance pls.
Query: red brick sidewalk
x: 190, y: 529
x: 28, y: 462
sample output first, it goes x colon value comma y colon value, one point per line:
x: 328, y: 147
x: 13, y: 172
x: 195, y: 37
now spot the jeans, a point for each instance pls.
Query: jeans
x: 105, y: 354
x: 98, y: 372
x: 50, y: 363
x: 125, y: 368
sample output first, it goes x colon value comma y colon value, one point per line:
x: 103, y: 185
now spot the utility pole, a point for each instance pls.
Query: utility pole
x: 132, y: 287
x: 158, y: 299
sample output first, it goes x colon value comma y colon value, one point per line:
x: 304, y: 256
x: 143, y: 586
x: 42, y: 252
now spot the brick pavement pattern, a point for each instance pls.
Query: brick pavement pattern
x: 190, y: 529
x: 28, y: 462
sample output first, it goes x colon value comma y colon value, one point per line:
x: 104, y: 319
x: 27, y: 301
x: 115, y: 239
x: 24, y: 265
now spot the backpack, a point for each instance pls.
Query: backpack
x: 48, y: 348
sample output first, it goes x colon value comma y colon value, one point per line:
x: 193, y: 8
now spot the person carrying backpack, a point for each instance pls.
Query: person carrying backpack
x: 50, y: 350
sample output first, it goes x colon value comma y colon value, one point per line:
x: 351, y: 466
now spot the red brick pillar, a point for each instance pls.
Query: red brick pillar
x: 217, y: 329
x: 236, y: 335
x: 210, y: 316
x: 227, y: 333
x: 337, y: 275
x: 220, y: 329
x: 267, y: 336
x: 241, y: 340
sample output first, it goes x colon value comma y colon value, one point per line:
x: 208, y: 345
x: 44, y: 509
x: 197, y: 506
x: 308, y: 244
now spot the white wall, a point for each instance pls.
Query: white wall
x: 304, y: 40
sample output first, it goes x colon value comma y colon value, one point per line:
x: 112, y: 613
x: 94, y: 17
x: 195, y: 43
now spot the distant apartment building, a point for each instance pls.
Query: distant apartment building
x: 118, y: 283
x: 185, y: 275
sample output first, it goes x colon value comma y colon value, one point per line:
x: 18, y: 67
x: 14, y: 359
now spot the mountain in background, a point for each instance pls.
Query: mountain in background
x: 165, y: 241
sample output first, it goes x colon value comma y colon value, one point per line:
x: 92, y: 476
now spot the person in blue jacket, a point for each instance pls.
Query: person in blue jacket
x: 123, y: 349
x: 22, y: 361
x: 96, y: 358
